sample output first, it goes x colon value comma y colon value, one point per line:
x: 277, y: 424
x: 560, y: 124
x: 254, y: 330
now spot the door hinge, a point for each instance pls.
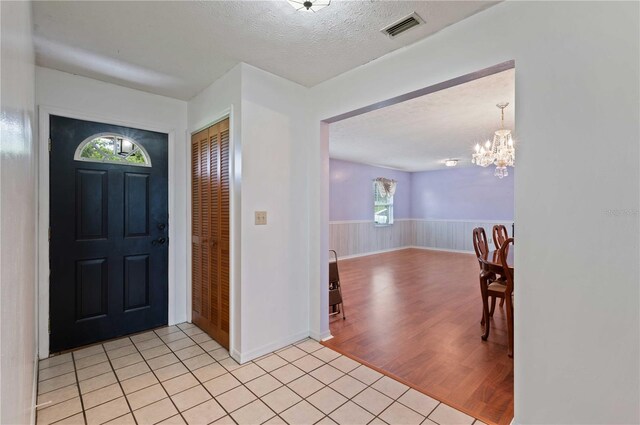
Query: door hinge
x: 49, y: 145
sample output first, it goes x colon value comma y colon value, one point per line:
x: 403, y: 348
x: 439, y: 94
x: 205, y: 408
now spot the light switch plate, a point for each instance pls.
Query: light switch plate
x: 261, y: 218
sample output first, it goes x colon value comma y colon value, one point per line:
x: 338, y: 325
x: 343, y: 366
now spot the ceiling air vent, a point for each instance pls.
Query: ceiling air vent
x: 402, y: 25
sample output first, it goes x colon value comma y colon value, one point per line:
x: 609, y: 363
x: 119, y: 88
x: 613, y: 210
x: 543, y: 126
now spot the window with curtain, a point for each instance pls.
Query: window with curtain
x: 383, y: 191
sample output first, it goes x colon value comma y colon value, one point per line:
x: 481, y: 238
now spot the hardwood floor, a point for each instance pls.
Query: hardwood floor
x: 415, y: 314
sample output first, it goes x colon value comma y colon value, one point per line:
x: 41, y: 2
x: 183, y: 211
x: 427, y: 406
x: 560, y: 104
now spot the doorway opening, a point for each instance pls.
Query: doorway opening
x: 404, y: 199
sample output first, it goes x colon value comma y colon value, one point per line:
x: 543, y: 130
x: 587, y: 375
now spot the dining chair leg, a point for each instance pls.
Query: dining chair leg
x: 485, y: 306
x: 501, y: 302
x: 493, y: 306
x: 510, y: 325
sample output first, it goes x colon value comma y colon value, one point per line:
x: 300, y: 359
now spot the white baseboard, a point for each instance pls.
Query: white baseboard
x: 235, y: 355
x: 326, y: 335
x: 243, y: 357
x: 34, y: 391
x: 364, y: 254
x: 428, y: 248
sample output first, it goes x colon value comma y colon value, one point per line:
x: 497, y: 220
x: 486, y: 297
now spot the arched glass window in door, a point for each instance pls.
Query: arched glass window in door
x: 112, y: 148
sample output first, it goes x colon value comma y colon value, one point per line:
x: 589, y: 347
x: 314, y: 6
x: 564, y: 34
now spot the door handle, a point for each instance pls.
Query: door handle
x: 159, y: 241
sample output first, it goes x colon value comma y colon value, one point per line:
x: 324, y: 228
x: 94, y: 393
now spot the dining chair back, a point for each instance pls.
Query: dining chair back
x: 508, y: 296
x: 500, y: 235
x: 504, y: 253
x: 480, y: 244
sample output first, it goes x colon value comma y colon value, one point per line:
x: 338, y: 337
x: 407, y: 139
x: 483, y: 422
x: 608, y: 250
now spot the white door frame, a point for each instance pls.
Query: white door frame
x: 44, y: 113
x: 234, y: 214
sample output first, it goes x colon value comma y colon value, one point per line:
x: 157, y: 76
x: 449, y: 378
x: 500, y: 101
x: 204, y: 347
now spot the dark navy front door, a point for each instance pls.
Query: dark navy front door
x: 109, y: 231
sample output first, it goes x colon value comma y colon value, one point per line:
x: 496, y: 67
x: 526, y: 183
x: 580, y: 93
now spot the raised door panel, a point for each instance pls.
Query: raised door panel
x: 91, y: 289
x: 136, y: 282
x: 91, y: 204
x: 136, y: 205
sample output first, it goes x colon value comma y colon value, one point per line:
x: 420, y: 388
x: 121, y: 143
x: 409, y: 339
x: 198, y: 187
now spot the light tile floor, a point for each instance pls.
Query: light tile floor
x: 178, y: 375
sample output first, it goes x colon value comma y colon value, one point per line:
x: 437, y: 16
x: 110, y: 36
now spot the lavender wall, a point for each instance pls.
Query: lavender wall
x: 351, y: 189
x: 470, y: 193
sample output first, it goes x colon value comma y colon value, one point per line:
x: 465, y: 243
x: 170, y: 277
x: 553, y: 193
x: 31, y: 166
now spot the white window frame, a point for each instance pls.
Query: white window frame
x: 377, y: 203
x: 78, y: 154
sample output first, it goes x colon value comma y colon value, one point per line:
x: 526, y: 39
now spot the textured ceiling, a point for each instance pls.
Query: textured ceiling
x: 418, y: 134
x: 179, y: 48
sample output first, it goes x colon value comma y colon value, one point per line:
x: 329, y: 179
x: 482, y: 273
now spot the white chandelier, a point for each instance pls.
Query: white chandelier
x: 501, y: 152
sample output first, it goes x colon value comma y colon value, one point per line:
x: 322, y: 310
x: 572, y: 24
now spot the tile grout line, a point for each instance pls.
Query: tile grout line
x: 434, y: 409
x: 131, y: 343
x: 227, y: 413
x: 75, y: 371
x: 244, y: 383
x: 119, y: 383
x: 77, y: 383
x: 266, y: 373
x: 216, y: 361
x: 394, y: 400
x: 325, y: 415
x: 299, y: 377
x: 159, y: 381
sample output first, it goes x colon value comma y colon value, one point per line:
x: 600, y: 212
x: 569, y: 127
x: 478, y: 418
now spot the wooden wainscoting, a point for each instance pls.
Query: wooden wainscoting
x: 356, y: 238
x: 351, y: 238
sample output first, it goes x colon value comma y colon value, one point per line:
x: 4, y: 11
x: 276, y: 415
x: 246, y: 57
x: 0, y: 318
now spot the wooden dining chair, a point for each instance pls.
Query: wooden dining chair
x: 508, y: 294
x: 491, y: 285
x: 500, y: 235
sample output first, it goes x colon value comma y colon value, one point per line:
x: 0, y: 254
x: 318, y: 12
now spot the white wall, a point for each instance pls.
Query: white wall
x: 85, y: 98
x: 275, y: 289
x: 577, y: 298
x: 18, y: 155
x: 270, y: 300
